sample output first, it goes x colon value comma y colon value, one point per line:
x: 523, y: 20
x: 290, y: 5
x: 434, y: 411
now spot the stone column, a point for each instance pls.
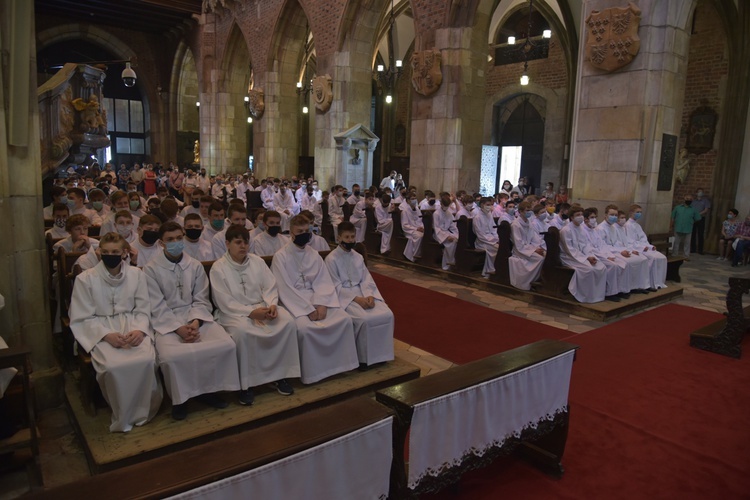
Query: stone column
x: 352, y: 92
x: 447, y: 127
x: 621, y: 116
x: 23, y: 257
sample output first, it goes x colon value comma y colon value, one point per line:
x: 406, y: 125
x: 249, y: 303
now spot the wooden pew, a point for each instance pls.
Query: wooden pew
x: 674, y: 262
x: 468, y: 258
x: 478, y: 392
x: 555, y: 276
x: 347, y: 209
x: 326, y: 228
x: 278, y: 445
x: 372, y: 236
x: 432, y: 251
x: 504, y: 251
x: 398, y: 237
x: 48, y: 223
x: 725, y: 336
x: 94, y: 231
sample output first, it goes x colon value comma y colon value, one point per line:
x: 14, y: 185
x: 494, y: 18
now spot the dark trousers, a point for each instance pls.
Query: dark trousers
x: 696, y: 241
x: 739, y: 252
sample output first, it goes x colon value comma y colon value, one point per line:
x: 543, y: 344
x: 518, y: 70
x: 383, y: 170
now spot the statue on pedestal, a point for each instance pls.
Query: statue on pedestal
x: 197, y: 152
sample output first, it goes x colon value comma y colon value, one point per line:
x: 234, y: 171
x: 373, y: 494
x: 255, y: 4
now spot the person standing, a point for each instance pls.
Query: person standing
x: 702, y: 205
x: 683, y: 219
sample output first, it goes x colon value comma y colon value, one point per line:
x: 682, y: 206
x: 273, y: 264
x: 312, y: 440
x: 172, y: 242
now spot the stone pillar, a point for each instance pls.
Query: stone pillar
x: 447, y: 127
x: 23, y: 257
x: 621, y: 116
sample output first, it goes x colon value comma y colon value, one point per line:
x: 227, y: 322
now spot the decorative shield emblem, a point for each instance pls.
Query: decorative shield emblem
x: 256, y: 104
x: 612, y: 40
x: 322, y: 92
x: 426, y: 71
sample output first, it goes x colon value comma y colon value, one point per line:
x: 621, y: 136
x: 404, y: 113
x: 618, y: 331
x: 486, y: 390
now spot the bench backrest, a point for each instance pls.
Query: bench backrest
x: 552, y: 239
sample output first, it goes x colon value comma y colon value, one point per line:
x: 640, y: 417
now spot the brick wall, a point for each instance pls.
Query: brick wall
x: 707, y: 71
x: 550, y: 72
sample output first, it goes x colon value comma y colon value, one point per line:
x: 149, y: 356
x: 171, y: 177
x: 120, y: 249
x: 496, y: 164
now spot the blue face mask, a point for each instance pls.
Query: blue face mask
x: 71, y: 204
x: 174, y: 248
x: 63, y: 199
x: 217, y: 224
x: 529, y: 214
x: 637, y: 215
x: 511, y: 211
x: 612, y: 219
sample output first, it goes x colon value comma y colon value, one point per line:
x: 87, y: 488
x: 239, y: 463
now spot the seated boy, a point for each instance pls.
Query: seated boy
x: 77, y: 227
x: 317, y: 243
x: 529, y: 249
x: 412, y: 226
x: 589, y: 281
x: 259, y: 226
x: 76, y: 200
x: 446, y: 232
x: 237, y: 216
x: 196, y: 356
x: 119, y: 201
x: 109, y: 317
x: 246, y: 297
x: 215, y: 222
x: 272, y: 240
x: 195, y: 246
x: 638, y: 241
x: 486, y: 232
x: 359, y: 216
x: 59, y: 195
x: 148, y: 234
x: 124, y: 226
x: 385, y: 222
x: 359, y: 297
x: 59, y: 214
x: 96, y: 203
x: 324, y: 331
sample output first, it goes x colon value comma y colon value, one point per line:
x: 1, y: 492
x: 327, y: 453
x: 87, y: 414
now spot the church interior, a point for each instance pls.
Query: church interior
x: 592, y: 103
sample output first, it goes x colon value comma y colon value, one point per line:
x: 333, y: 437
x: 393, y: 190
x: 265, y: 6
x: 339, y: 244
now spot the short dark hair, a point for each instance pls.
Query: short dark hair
x: 58, y: 207
x: 215, y: 207
x: 57, y: 191
x: 271, y: 213
x: 78, y: 192
x: 149, y: 219
x: 234, y: 232
x: 168, y: 227
x: 233, y: 208
x: 346, y: 227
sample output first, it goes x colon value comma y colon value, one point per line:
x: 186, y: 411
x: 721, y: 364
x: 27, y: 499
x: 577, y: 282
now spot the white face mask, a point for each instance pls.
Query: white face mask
x: 592, y: 223
x: 578, y: 219
x: 487, y: 208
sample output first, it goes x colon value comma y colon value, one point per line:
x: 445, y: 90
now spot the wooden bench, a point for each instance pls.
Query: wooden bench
x: 372, y: 235
x: 504, y: 251
x: 326, y: 228
x: 468, y: 258
x: 464, y: 395
x: 398, y: 237
x: 278, y: 445
x: 432, y: 251
x: 674, y: 262
x: 725, y: 337
x: 555, y: 276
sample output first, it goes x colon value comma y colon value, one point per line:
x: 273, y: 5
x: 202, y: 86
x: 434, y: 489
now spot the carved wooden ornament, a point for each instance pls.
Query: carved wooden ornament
x: 256, y: 104
x: 612, y: 40
x: 322, y: 92
x: 426, y: 71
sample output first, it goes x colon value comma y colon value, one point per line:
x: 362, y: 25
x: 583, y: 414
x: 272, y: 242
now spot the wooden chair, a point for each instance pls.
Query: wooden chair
x: 19, y: 358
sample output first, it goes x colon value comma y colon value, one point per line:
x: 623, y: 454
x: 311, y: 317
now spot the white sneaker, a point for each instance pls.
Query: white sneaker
x: 719, y: 258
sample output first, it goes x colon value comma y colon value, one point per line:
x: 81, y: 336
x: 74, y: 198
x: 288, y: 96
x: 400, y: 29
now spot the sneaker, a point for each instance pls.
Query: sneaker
x: 719, y: 258
x: 246, y: 397
x: 179, y: 412
x: 283, y: 387
x: 212, y: 400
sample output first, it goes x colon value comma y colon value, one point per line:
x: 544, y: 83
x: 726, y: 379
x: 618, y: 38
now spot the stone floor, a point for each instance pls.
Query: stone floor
x: 704, y: 280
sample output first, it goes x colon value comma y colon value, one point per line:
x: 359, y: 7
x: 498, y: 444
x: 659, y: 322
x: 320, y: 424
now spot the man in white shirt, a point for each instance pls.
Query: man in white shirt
x: 561, y: 218
x: 236, y: 216
x: 355, y: 196
x: 389, y: 182
x: 428, y: 203
x: 613, y: 235
x: 487, y: 239
x: 246, y: 297
x: 119, y: 201
x: 324, y: 331
x: 109, y: 317
x: 284, y: 204
x: 215, y: 222
x: 196, y: 356
x: 529, y: 249
x: 359, y: 296
x: 267, y: 196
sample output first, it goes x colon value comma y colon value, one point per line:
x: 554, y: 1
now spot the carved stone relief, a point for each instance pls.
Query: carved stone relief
x: 612, y: 37
x: 426, y: 71
x: 322, y: 92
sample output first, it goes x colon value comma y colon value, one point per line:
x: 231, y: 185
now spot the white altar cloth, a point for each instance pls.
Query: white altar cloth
x: 472, y: 420
x: 356, y: 465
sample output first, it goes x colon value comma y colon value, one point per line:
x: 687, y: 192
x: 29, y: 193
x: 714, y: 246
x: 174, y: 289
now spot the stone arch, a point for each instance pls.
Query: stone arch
x: 278, y: 150
x: 229, y: 110
x: 184, y: 91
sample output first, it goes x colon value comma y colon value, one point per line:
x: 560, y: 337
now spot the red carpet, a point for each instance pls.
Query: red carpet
x: 454, y: 329
x: 651, y: 417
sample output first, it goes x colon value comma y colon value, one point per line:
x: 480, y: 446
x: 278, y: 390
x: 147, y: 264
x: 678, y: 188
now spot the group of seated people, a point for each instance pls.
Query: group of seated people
x: 141, y: 303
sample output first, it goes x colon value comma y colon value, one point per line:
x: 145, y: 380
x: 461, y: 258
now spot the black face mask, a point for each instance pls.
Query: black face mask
x: 302, y: 239
x: 349, y: 246
x: 274, y: 230
x: 193, y: 234
x: 688, y: 202
x: 150, y: 237
x: 565, y: 216
x: 356, y: 192
x: 196, y: 204
x: 112, y: 261
x: 431, y: 202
